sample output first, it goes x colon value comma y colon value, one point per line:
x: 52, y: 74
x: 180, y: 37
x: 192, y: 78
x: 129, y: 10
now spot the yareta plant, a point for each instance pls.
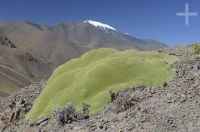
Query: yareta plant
x: 91, y: 77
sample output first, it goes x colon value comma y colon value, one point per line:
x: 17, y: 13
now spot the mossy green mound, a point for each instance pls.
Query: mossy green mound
x: 90, y: 78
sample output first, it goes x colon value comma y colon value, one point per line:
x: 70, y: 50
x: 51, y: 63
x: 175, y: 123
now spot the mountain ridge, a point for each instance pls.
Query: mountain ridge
x: 30, y: 51
x: 59, y: 43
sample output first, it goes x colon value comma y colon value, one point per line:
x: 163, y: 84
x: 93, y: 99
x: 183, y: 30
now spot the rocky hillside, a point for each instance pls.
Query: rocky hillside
x: 60, y: 43
x: 18, y: 68
x: 171, y: 107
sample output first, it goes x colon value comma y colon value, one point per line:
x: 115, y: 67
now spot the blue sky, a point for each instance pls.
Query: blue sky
x: 154, y: 19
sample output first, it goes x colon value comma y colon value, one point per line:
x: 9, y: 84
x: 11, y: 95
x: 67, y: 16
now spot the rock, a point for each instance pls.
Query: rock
x: 41, y: 121
x: 3, y: 120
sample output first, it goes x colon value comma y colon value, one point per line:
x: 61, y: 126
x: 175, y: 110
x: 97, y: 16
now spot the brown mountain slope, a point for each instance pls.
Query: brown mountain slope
x: 57, y: 44
x: 17, y: 68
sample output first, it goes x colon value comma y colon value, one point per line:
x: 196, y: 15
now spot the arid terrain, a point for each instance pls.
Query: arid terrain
x: 18, y: 68
x: 171, y: 107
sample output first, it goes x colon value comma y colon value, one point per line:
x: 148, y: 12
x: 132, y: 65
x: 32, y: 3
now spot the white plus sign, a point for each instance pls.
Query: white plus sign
x: 186, y: 14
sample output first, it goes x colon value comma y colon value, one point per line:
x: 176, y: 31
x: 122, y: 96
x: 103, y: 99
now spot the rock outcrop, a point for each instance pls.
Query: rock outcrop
x: 4, y: 41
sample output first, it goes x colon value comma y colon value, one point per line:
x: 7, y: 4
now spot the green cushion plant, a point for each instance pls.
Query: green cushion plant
x: 91, y: 77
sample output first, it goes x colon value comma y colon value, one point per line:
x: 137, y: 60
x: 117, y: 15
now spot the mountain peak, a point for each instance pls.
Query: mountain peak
x: 100, y: 25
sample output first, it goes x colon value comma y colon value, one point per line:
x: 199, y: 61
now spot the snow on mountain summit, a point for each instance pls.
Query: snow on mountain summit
x: 100, y: 25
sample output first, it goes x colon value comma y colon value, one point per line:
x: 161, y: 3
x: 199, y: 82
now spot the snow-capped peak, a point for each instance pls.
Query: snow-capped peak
x: 100, y: 25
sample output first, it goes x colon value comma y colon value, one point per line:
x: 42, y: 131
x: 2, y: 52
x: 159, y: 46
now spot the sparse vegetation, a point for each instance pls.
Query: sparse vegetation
x: 68, y: 114
x: 91, y: 77
x: 124, y: 101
